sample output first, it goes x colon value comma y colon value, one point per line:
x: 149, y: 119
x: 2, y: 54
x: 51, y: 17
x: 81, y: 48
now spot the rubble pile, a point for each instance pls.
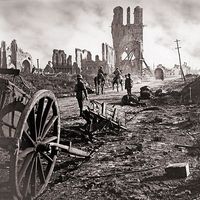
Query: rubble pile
x: 178, y: 92
x: 59, y: 85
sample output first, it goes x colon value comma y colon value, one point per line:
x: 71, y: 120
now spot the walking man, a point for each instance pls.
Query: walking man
x: 81, y: 92
x: 128, y: 84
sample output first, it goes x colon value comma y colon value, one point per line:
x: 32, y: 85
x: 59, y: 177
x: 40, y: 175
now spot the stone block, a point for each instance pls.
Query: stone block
x: 177, y: 170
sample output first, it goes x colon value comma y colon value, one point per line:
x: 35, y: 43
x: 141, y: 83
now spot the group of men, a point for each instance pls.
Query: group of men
x: 81, y: 91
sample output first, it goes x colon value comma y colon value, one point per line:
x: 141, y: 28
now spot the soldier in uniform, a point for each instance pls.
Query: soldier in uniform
x: 128, y: 84
x: 81, y: 92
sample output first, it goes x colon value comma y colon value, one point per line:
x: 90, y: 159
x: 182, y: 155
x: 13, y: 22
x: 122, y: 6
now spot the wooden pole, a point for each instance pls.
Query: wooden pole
x: 38, y: 64
x: 182, y: 73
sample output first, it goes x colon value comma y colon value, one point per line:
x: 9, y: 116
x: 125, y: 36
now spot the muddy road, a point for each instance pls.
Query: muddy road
x: 69, y: 106
x: 118, y: 169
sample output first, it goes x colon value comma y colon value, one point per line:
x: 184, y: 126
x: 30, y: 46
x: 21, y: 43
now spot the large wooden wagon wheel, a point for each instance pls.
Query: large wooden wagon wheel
x: 34, y: 160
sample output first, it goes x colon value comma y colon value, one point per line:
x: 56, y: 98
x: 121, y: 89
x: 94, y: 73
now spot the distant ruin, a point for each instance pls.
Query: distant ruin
x: 176, y: 69
x: 87, y: 65
x: 61, y: 63
x: 128, y: 40
x: 108, y: 56
x: 83, y: 61
x: 14, y: 57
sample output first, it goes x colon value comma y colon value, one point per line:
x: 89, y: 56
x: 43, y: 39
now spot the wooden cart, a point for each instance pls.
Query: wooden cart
x: 30, y: 134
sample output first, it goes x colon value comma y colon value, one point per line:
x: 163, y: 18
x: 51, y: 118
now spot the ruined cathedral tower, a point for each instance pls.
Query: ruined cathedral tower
x: 128, y: 39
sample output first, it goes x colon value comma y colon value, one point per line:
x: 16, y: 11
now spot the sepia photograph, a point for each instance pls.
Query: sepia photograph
x: 99, y: 100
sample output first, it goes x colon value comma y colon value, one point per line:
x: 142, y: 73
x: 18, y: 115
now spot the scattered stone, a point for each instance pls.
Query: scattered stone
x: 177, y: 170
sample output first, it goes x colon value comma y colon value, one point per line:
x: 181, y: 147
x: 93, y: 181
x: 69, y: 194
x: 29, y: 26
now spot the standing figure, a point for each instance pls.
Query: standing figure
x: 99, y: 82
x: 128, y: 84
x: 81, y: 92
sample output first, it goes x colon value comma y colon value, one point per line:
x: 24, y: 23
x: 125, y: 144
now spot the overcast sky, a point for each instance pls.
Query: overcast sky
x: 39, y: 26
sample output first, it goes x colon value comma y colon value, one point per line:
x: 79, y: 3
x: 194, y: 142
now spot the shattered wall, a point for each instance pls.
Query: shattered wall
x: 49, y: 68
x: 3, y: 60
x: 84, y: 62
x: 166, y: 72
x: 86, y: 55
x: 14, y: 57
x: 108, y: 57
x: 24, y: 60
x: 78, y: 57
x: 60, y: 62
x: 128, y: 39
x: 87, y: 65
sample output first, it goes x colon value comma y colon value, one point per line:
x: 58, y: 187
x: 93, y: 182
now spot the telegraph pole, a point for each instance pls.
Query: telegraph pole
x: 179, y: 56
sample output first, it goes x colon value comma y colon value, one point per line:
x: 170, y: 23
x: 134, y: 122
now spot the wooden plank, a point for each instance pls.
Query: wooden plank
x: 103, y: 109
x: 114, y: 117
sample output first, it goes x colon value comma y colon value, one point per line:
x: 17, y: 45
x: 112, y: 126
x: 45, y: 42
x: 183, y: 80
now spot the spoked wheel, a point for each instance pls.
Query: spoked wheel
x: 39, y: 125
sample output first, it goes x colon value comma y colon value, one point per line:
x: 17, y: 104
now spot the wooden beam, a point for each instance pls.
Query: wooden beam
x: 70, y: 150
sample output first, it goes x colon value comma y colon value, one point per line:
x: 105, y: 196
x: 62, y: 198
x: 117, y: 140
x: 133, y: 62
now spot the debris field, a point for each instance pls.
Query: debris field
x: 131, y: 164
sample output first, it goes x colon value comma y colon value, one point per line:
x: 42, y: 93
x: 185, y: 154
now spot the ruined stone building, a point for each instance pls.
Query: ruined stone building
x: 161, y: 72
x: 78, y: 58
x: 84, y: 62
x: 48, y: 68
x: 177, y: 71
x: 3, y: 57
x: 86, y: 65
x: 14, y: 57
x: 61, y: 63
x: 128, y: 40
x: 108, y: 57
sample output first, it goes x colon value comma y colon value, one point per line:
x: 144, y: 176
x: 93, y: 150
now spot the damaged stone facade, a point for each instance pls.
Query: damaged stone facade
x: 87, y: 65
x: 162, y: 69
x: 108, y: 56
x: 48, y: 68
x: 61, y: 63
x: 84, y: 62
x: 14, y: 57
x: 128, y: 40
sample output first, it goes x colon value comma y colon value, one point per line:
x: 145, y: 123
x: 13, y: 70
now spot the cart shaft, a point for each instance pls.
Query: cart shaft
x: 70, y: 150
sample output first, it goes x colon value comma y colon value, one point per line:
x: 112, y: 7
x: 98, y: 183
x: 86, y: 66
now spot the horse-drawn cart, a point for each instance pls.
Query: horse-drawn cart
x: 29, y: 136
